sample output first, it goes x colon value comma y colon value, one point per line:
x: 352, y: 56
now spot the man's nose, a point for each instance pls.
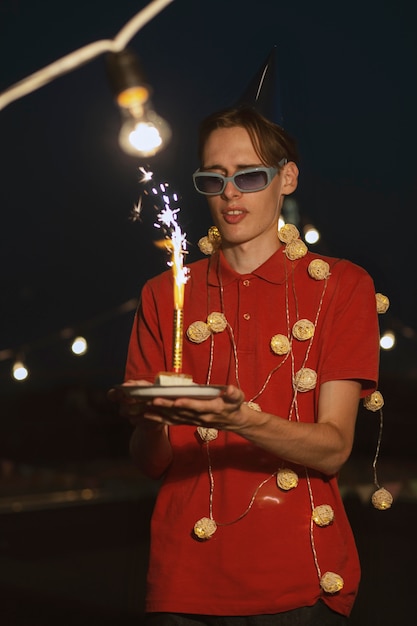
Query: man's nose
x: 231, y: 191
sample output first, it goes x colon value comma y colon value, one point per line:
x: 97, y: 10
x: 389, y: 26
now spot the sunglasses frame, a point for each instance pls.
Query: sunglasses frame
x: 269, y: 171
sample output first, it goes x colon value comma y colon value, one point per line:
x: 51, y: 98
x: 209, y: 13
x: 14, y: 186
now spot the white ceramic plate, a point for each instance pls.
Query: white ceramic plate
x: 199, y: 392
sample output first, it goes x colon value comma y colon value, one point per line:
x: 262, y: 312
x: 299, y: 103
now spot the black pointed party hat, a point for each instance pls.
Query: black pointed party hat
x: 263, y: 91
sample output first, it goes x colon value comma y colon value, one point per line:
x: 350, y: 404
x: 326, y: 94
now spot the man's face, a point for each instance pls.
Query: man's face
x: 241, y: 217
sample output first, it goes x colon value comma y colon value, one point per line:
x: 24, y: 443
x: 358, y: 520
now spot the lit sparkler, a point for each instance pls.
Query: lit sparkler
x: 175, y: 243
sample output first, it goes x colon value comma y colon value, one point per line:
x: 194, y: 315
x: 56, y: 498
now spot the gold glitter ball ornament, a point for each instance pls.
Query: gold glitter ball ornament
x: 197, y: 332
x: 207, y: 434
x: 382, y: 499
x: 206, y: 246
x: 216, y: 322
x: 288, y: 233
x: 374, y: 402
x: 296, y: 249
x: 305, y: 379
x: 382, y: 303
x: 303, y: 330
x: 280, y: 344
x: 331, y: 582
x: 214, y: 236
x: 205, y: 528
x: 209, y: 244
x: 319, y: 269
x: 287, y: 479
x: 323, y: 515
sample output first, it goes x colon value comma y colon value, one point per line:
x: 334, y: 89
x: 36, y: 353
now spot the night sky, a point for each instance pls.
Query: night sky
x: 70, y: 255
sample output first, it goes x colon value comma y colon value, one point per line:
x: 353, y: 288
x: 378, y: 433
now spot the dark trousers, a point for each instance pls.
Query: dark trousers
x: 317, y: 615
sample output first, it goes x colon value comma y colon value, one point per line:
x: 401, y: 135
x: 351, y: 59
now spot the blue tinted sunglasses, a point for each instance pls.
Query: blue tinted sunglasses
x: 246, y: 181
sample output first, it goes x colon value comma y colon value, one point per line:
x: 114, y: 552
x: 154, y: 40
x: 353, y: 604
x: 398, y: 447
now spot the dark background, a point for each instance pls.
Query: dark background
x: 74, y: 514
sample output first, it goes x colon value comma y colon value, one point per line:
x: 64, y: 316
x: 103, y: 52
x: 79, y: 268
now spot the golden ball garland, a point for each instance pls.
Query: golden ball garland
x: 280, y: 344
x: 295, y: 249
x: 214, y: 236
x: 331, y: 582
x: 206, y: 247
x: 287, y: 479
x: 288, y: 233
x: 207, y: 434
x: 374, y: 401
x: 303, y: 330
x: 323, y: 515
x: 305, y: 379
x: 197, y: 332
x: 382, y: 499
x: 319, y: 269
x: 382, y: 303
x: 211, y: 242
x: 205, y: 528
x: 216, y: 322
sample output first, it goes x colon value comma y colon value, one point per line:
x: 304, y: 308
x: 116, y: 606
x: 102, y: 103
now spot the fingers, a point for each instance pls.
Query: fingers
x: 233, y: 395
x: 220, y: 412
x: 129, y: 406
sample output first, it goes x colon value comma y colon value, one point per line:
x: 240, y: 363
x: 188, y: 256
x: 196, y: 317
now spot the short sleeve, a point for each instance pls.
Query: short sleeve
x: 351, y: 335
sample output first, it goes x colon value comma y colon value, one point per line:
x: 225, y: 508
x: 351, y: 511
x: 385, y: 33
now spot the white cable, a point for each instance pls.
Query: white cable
x: 83, y: 55
x: 137, y: 22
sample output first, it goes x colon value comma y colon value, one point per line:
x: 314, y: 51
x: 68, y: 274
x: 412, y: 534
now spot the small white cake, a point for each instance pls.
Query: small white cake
x: 172, y: 379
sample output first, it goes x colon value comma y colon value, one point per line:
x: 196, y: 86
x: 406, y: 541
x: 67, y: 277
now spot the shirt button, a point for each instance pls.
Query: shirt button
x: 246, y: 316
x: 246, y: 283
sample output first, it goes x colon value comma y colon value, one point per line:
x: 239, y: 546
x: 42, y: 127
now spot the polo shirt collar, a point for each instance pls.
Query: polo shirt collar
x: 273, y: 270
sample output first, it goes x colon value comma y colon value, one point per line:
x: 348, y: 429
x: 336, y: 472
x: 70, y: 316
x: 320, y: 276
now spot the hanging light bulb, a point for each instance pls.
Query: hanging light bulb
x: 144, y: 136
x: 79, y: 346
x: 143, y: 131
x: 19, y: 370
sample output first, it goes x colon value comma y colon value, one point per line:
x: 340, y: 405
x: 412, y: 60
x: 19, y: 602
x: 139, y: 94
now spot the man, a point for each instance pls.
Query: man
x: 249, y: 526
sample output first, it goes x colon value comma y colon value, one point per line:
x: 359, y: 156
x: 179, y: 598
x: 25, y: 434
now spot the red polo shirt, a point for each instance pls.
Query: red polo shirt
x: 265, y: 562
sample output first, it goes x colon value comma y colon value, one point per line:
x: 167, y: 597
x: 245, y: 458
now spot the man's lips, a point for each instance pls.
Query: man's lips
x: 233, y: 215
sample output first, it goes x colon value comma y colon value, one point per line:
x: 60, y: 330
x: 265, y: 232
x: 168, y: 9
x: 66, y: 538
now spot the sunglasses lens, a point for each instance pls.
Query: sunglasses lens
x: 208, y: 184
x: 251, y: 181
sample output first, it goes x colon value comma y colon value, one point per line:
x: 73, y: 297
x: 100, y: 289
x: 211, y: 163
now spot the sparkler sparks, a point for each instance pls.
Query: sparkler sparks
x: 136, y: 211
x: 145, y: 175
x: 175, y: 242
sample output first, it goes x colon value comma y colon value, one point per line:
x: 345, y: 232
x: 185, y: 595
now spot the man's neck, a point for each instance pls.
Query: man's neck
x: 247, y: 257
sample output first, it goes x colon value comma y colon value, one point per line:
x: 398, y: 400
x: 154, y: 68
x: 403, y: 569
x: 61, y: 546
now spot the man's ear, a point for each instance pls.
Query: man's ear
x: 290, y: 176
